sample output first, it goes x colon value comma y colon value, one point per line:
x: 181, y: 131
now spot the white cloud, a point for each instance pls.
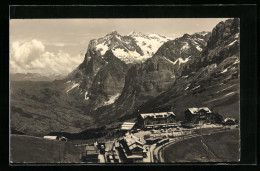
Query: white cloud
x: 32, y: 57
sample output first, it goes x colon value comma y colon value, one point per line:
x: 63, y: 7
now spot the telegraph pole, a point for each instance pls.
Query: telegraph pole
x: 167, y: 126
x: 59, y: 153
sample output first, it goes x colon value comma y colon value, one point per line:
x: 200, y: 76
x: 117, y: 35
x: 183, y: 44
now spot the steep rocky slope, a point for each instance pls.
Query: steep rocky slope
x: 156, y: 75
x: 100, y: 78
x: 211, y: 80
x: 184, y: 48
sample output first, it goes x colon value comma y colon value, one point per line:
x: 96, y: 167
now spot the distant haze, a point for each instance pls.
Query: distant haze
x: 48, y: 46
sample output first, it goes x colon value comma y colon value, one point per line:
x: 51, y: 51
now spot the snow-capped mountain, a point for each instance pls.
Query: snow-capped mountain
x: 149, y: 43
x: 184, y: 48
x: 100, y: 77
x: 100, y: 84
x: 212, y: 79
x: 144, y: 81
x: 132, y: 48
x: 182, y: 75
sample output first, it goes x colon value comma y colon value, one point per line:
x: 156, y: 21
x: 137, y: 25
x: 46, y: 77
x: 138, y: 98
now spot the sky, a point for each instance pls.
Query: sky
x: 58, y: 46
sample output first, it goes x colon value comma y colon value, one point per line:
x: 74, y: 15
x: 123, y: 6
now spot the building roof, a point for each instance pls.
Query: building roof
x: 130, y: 139
x: 227, y: 119
x: 50, y: 137
x: 109, y: 146
x: 91, y: 150
x: 157, y: 115
x: 195, y: 110
x: 127, y: 125
x: 135, y: 146
x: 62, y: 137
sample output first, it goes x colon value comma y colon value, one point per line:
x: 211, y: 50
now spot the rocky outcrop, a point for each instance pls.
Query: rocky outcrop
x: 211, y: 80
x: 156, y: 75
x: 187, y: 46
x: 100, y: 78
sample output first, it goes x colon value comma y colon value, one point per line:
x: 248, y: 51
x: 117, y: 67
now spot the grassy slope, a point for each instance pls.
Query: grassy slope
x: 42, y: 107
x: 224, y: 147
x: 38, y: 150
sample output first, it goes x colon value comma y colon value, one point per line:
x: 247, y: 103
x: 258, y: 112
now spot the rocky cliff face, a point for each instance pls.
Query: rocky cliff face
x: 211, y: 80
x: 156, y: 75
x: 100, y: 78
x: 185, y: 47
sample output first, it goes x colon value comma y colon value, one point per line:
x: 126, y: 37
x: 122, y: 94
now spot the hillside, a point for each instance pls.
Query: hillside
x: 211, y: 80
x: 35, y: 77
x: 41, y: 107
x: 26, y: 149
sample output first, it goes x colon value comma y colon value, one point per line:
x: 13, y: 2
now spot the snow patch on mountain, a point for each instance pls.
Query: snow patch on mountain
x: 180, y: 60
x: 188, y: 86
x: 102, y: 47
x: 236, y: 61
x: 196, y: 87
x: 112, y: 99
x: 86, y: 95
x: 74, y: 85
x: 133, y: 48
x: 232, y: 43
x: 185, y: 46
x: 148, y: 46
x: 148, y: 43
x: 160, y: 38
x: 168, y: 60
x: 231, y: 93
x: 199, y: 49
x: 225, y: 70
x: 128, y: 57
x: 203, y: 34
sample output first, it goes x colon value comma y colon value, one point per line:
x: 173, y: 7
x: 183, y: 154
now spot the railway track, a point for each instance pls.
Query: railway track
x: 158, y: 151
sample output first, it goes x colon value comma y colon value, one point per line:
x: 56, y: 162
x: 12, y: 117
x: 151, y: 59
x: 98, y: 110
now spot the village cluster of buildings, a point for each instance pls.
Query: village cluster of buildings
x: 130, y: 149
x: 193, y: 116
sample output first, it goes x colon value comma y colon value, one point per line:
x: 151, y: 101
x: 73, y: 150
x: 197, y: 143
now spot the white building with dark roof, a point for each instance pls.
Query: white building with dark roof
x: 153, y: 120
x: 199, y: 115
x: 195, y: 110
x: 131, y: 148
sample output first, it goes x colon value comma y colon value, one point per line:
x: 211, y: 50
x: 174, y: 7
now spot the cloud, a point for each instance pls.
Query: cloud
x: 58, y: 44
x: 32, y: 57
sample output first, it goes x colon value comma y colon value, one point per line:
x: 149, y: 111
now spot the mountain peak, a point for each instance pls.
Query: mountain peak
x: 132, y: 32
x: 203, y: 33
x: 186, y: 35
x: 136, y: 34
x: 113, y: 33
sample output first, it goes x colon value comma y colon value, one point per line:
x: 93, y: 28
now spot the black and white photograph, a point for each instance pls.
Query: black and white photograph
x: 124, y: 90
